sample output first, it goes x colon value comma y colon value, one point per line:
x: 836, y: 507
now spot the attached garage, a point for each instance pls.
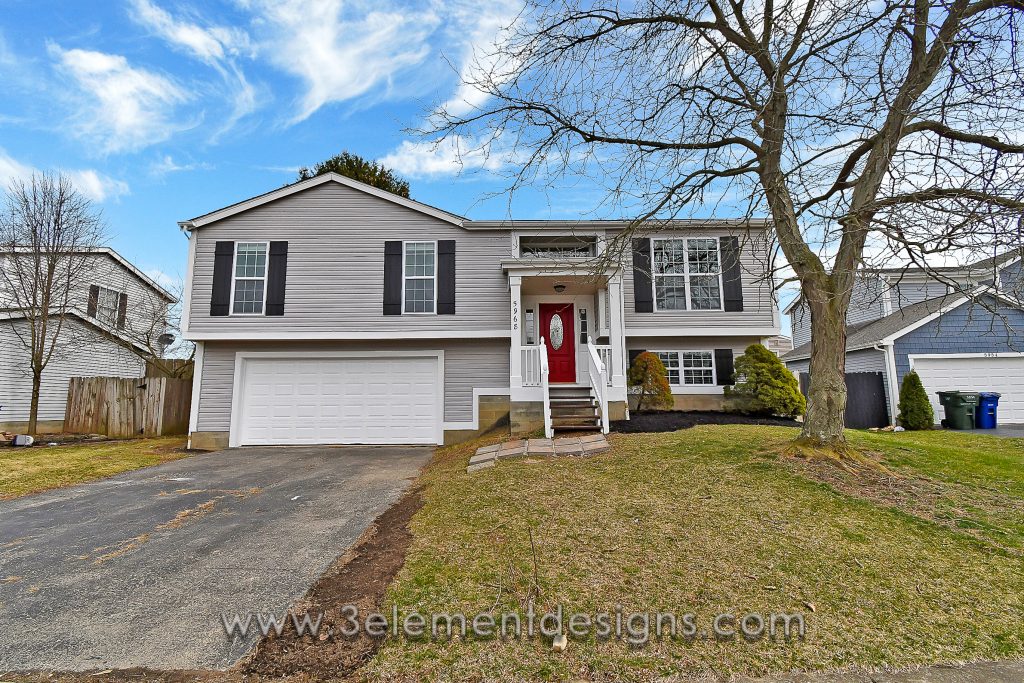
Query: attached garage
x: 381, y: 398
x: 1000, y: 372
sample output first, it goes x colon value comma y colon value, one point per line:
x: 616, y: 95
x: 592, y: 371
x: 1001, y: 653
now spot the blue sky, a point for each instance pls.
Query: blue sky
x: 161, y: 110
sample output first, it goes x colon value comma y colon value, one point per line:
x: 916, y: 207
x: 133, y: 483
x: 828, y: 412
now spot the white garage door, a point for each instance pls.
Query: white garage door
x: 1004, y: 374
x: 339, y: 401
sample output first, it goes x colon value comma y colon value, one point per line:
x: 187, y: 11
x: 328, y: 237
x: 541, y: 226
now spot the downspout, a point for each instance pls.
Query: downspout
x: 890, y: 370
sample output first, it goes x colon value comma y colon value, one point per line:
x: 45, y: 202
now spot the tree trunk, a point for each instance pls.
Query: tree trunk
x: 33, y: 412
x: 826, y: 405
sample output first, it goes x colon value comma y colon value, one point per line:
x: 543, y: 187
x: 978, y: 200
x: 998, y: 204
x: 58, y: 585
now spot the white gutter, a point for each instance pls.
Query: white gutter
x: 890, y: 370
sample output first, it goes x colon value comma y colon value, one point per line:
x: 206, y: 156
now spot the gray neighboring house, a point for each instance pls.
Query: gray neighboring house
x: 329, y: 311
x: 113, y: 295
x: 965, y: 331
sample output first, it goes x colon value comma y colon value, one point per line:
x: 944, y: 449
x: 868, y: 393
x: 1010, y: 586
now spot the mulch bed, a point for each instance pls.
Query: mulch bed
x: 672, y: 420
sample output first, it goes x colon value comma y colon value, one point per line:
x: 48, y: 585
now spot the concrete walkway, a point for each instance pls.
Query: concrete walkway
x: 487, y: 456
x: 985, y: 672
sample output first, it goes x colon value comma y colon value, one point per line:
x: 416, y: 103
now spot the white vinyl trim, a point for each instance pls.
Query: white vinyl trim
x: 252, y: 203
x: 335, y: 335
x: 985, y: 354
x: 477, y: 393
x: 187, y: 294
x: 238, y: 388
x: 697, y: 330
x: 197, y: 384
x: 432, y: 278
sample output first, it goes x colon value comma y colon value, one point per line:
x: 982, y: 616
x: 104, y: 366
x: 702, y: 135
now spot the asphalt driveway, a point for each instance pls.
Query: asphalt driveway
x: 137, y: 570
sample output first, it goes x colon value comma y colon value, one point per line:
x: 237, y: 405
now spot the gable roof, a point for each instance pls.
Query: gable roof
x: 124, y: 340
x: 985, y: 265
x: 128, y: 265
x: 287, y: 190
x: 884, y: 330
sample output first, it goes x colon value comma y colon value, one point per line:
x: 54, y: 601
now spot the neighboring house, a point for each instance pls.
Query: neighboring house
x: 780, y: 345
x: 115, y: 300
x: 329, y: 311
x: 960, y: 328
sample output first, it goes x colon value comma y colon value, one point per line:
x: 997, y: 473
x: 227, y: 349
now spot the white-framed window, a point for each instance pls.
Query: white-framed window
x: 249, y: 278
x: 107, y: 303
x: 686, y: 273
x: 419, y: 277
x: 688, y: 368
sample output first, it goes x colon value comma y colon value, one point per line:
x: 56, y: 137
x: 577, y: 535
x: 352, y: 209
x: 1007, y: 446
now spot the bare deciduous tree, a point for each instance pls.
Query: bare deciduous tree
x: 46, y: 231
x: 863, y: 129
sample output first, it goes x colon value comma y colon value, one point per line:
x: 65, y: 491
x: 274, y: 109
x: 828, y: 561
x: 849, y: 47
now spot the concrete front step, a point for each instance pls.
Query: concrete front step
x: 487, y: 457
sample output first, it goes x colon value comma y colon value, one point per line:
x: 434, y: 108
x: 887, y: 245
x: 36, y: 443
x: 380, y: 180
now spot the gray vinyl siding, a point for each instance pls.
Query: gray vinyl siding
x: 758, y: 300
x: 907, y: 293
x: 335, y: 281
x: 866, y: 360
x: 467, y: 365
x: 969, y: 328
x: 84, y: 353
x: 866, y: 304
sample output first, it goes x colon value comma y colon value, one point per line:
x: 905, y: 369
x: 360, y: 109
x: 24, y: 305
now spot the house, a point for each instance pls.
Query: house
x: 959, y: 327
x: 329, y: 311
x: 780, y: 345
x: 111, y: 302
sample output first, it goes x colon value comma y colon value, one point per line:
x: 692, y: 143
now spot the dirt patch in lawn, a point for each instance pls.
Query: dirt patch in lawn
x: 960, y: 507
x: 359, y: 577
x: 672, y: 420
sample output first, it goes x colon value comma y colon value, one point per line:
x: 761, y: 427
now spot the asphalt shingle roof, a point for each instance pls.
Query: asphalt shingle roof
x: 870, y: 333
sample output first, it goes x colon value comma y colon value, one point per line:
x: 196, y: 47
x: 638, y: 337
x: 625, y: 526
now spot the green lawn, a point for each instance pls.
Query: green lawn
x: 28, y: 470
x: 711, y: 520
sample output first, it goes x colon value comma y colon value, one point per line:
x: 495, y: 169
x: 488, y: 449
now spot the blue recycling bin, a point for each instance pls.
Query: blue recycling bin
x: 988, y: 406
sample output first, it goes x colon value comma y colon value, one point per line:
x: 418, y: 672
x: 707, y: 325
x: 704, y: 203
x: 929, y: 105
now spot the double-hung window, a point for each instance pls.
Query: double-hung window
x: 688, y: 368
x: 419, y: 287
x: 107, y: 301
x: 248, y: 291
x: 687, y: 274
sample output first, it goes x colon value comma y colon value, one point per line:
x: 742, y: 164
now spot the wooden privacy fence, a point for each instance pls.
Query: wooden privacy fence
x: 125, y: 407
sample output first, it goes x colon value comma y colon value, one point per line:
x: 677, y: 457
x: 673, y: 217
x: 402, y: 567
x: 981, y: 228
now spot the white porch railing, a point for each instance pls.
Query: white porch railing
x: 598, y: 381
x: 548, y: 432
x: 531, y: 366
x: 605, y: 353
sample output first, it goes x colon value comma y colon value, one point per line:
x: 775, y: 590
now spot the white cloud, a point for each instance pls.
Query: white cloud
x: 166, y: 164
x: 171, y: 283
x: 217, y: 46
x: 446, y: 157
x: 480, y: 29
x: 340, y: 50
x: 97, y: 186
x: 124, y: 108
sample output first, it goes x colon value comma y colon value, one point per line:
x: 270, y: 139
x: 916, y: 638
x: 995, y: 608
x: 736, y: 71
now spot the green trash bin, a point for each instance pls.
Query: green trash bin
x: 960, y: 407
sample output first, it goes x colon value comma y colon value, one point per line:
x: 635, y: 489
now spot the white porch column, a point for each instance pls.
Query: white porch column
x: 617, y: 332
x: 515, y: 364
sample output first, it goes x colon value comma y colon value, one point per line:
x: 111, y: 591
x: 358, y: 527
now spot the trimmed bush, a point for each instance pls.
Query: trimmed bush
x: 915, y: 410
x: 649, y: 380
x: 765, y: 386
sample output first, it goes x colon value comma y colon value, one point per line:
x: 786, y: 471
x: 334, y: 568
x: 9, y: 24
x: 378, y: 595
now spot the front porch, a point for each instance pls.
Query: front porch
x: 567, y: 354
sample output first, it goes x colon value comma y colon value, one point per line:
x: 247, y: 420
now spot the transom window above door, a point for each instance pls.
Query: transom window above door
x: 248, y: 292
x: 419, y: 289
x: 687, y: 274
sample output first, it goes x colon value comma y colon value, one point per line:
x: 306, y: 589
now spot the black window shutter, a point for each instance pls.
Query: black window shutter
x: 446, y: 277
x: 94, y: 300
x: 732, y: 274
x: 122, y: 310
x: 723, y: 366
x: 393, y: 278
x: 223, y: 255
x: 632, y: 356
x: 643, y: 294
x: 277, y: 275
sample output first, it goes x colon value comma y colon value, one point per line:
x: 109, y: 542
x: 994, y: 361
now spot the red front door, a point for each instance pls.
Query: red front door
x: 559, y: 331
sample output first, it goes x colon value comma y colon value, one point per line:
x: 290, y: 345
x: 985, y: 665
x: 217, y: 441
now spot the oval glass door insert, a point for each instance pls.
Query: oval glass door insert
x: 557, y: 332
